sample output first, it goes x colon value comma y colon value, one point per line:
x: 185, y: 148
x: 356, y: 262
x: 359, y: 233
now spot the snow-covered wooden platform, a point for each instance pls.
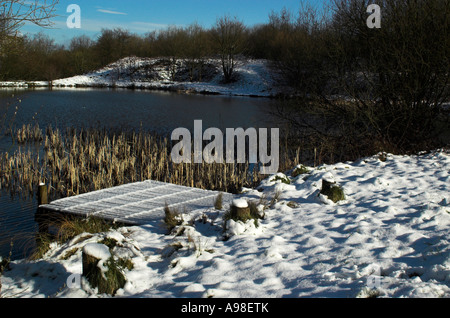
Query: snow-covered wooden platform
x: 137, y: 203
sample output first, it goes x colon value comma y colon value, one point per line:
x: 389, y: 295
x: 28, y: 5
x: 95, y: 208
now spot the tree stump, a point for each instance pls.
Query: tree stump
x: 332, y: 190
x: 100, y: 269
x: 92, y: 255
x: 327, y: 184
x: 240, y: 210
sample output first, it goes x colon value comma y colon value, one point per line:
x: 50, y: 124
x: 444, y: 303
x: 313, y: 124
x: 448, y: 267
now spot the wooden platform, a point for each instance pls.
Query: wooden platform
x: 137, y: 203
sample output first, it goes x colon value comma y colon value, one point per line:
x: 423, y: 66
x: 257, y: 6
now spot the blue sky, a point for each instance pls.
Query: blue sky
x: 141, y: 16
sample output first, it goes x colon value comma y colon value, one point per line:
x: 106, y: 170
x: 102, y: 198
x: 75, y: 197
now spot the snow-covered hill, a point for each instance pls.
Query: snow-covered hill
x: 388, y: 238
x: 253, y: 77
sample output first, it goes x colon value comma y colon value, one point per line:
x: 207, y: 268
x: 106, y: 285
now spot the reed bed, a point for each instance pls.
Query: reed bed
x: 19, y: 172
x: 28, y: 133
x: 79, y: 161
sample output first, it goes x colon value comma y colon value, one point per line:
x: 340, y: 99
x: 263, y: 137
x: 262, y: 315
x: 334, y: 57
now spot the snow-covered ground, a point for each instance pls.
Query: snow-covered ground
x: 389, y: 238
x: 23, y: 84
x: 253, y: 78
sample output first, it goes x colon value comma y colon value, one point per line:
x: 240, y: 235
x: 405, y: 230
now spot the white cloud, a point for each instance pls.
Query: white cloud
x: 111, y: 12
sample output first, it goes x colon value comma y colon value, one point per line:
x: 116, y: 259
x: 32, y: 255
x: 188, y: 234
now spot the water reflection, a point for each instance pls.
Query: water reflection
x: 17, y: 225
x: 134, y: 109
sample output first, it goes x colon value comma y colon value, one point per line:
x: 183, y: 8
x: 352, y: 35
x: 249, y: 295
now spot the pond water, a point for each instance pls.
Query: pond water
x: 159, y: 112
x: 132, y: 109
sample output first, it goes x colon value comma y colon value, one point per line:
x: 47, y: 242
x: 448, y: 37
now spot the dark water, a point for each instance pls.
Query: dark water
x: 159, y: 112
x: 17, y: 226
x: 130, y: 109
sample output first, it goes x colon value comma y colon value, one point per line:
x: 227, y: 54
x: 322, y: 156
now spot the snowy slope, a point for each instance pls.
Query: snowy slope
x: 389, y: 238
x: 254, y: 78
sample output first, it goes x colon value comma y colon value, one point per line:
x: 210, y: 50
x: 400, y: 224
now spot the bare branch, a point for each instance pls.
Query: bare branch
x: 15, y: 13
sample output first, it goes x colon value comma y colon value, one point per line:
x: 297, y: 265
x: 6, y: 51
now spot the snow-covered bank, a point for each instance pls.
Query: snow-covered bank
x: 24, y: 84
x: 388, y: 238
x: 253, y: 78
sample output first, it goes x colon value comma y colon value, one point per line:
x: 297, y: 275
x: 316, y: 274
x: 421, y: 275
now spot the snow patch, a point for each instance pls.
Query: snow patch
x: 240, y: 203
x: 98, y: 251
x: 381, y: 242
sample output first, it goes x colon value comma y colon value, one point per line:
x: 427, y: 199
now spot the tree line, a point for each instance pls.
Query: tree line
x: 361, y: 90
x: 380, y: 88
x: 39, y: 57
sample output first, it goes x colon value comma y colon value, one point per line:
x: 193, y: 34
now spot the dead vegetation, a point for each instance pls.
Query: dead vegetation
x: 80, y: 161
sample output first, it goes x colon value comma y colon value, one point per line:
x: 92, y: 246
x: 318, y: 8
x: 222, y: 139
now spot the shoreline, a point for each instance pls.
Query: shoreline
x: 253, y: 78
x: 136, y: 86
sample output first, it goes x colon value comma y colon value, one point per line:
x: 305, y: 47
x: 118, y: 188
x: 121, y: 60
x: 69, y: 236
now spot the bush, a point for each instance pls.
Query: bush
x: 281, y: 177
x: 299, y: 170
x: 371, y: 90
x: 218, y: 202
x: 397, y: 75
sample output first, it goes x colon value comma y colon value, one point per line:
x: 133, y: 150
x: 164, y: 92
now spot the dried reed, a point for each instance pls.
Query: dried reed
x: 28, y: 133
x: 76, y: 162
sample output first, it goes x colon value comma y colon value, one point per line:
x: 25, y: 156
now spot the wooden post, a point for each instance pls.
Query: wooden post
x: 240, y: 210
x: 43, y: 194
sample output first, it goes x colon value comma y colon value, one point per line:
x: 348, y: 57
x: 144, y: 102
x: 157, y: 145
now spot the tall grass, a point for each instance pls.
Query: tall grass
x: 79, y: 161
x: 55, y: 227
x: 28, y: 133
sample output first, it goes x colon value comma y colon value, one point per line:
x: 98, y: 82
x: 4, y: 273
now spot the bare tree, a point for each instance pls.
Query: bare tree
x: 172, y: 42
x: 229, y: 38
x: 364, y: 90
x: 298, y: 48
x: 196, y: 50
x: 15, y: 13
x: 398, y: 74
